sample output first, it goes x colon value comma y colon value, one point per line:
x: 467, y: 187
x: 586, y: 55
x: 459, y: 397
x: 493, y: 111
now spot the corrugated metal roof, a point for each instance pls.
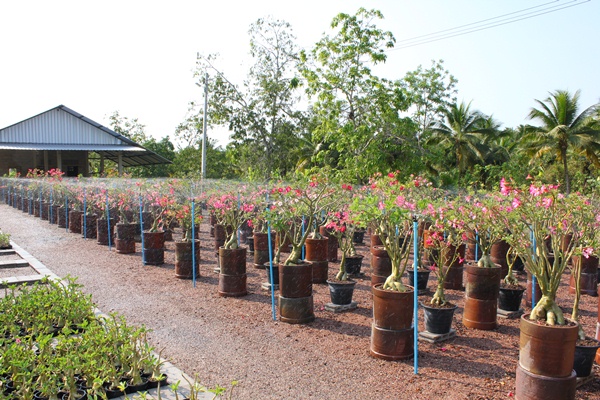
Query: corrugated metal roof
x: 61, y: 128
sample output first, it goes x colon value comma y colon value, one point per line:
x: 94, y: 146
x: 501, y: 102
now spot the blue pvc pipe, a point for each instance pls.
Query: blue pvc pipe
x: 303, y: 247
x: 533, y: 280
x: 476, y: 246
x: 108, y: 224
x: 271, y: 271
x: 193, y: 244
x: 416, y: 296
x: 142, y: 232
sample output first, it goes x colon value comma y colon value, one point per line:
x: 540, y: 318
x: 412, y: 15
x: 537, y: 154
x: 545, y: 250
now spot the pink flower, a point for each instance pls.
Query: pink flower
x: 587, y: 252
x: 547, y: 202
x: 381, y: 205
x: 516, y: 203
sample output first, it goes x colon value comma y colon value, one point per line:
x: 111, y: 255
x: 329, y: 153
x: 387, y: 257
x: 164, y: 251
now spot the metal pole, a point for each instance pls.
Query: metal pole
x: 204, y: 123
x: 416, y: 296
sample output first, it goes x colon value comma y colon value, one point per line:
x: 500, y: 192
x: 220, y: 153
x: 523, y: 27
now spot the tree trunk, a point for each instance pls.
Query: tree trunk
x: 563, y: 152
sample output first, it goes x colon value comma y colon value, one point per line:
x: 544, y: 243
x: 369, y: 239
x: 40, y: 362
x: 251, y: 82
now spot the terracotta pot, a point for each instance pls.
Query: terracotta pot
x: 232, y: 276
x: 332, y: 244
x: 88, y: 226
x: 184, y: 266
x: 376, y: 240
x: 481, y: 297
x: 53, y: 210
x: 498, y: 254
x: 125, y: 238
x: 317, y: 249
x: 470, y: 248
x: 295, y: 281
x: 61, y: 217
x: 391, y: 333
x: 528, y: 291
x: 154, y: 248
x: 589, y: 275
x: 220, y: 236
x: 261, y: 248
x: 45, y: 214
x: 381, y: 265
x: 295, y: 288
x: 454, y: 274
x: 546, y: 355
x: 75, y: 221
x: 391, y: 309
x: 547, y: 350
x: 102, y: 231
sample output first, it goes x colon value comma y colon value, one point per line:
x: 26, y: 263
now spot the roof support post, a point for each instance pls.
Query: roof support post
x: 120, y: 159
x: 101, y: 172
x: 59, y: 159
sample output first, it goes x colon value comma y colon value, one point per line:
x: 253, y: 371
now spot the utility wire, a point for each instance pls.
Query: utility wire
x: 506, y: 21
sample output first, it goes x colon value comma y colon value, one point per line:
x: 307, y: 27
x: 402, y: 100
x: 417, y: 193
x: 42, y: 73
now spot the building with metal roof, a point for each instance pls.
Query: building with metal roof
x: 62, y: 138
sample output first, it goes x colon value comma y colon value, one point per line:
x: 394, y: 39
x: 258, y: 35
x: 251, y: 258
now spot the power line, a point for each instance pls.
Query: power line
x: 456, y: 31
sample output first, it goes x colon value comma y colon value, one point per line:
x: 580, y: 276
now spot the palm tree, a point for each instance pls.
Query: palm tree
x: 463, y: 132
x: 562, y: 128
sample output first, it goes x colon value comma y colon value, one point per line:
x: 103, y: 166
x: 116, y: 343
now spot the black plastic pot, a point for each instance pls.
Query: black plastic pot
x: 341, y: 292
x: 584, y: 359
x: 438, y: 320
x: 267, y: 266
x: 422, y: 278
x: 353, y: 265
x: 510, y: 299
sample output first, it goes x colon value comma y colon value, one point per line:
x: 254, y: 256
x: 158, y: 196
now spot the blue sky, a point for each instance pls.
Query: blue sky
x: 137, y: 57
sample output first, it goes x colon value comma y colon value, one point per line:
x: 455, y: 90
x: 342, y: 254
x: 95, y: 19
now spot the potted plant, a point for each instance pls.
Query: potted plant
x: 539, y: 219
x: 444, y: 247
x: 483, y: 278
x: 125, y: 228
x: 289, y: 210
x: 232, y: 211
x: 188, y: 245
x: 385, y: 203
x: 154, y: 236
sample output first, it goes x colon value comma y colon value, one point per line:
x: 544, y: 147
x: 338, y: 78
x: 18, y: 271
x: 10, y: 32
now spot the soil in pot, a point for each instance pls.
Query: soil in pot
x: 341, y: 291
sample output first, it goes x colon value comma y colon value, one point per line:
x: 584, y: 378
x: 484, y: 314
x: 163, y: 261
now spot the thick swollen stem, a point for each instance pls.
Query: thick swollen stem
x: 342, y: 275
x: 485, y: 261
x: 394, y: 283
x: 510, y: 279
x: 547, y: 309
x: 232, y: 242
x: 294, y: 256
x: 439, y: 298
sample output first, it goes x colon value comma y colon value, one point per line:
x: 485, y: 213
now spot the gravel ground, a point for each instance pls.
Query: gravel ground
x: 227, y: 339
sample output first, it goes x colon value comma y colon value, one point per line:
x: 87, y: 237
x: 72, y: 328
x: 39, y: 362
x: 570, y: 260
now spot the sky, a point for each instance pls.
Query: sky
x: 137, y: 57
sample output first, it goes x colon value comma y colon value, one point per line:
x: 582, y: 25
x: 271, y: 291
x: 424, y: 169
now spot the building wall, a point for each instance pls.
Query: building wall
x: 73, y: 162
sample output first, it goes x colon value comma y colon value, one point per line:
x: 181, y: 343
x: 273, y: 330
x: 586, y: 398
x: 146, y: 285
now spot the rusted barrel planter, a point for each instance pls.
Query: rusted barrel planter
x: 296, y: 304
x: 529, y: 291
x: 332, y: 244
x: 454, y: 276
x: 391, y: 332
x: 75, y: 221
x: 498, y: 253
x: 154, y: 248
x: 317, y: 253
x: 232, y: 275
x: 261, y: 248
x: 546, y: 355
x: 125, y: 238
x: 61, y: 217
x: 45, y: 213
x: 589, y: 275
x: 481, y: 297
x: 381, y: 265
x: 102, y: 231
x: 184, y: 267
x: 88, y: 226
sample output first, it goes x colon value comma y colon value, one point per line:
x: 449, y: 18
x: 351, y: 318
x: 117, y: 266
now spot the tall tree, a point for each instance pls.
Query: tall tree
x: 353, y: 106
x: 261, y: 112
x: 431, y: 91
x: 462, y: 132
x: 563, y: 129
